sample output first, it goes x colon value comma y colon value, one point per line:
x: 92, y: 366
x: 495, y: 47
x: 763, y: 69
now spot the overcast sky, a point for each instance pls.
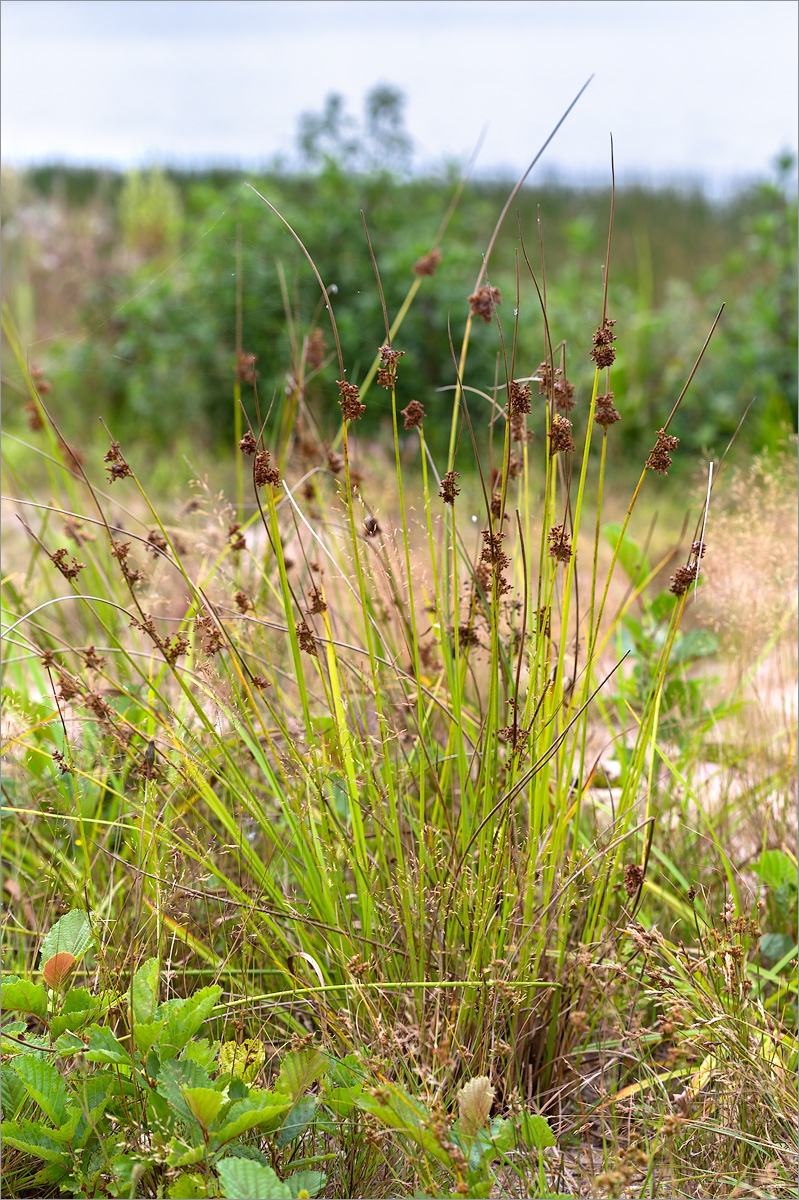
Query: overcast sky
x: 699, y: 90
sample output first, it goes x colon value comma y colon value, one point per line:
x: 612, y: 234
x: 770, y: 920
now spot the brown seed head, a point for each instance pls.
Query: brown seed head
x: 560, y: 547
x: 414, y: 414
x: 351, y: 407
x: 560, y: 435
x: 248, y: 444
x: 317, y: 605
x: 519, y: 399
x: 306, y: 639
x: 236, y: 538
x: 449, y: 488
x: 68, y: 570
x: 245, y: 367
x: 603, y: 351
x: 604, y: 412
x: 660, y: 458
x: 682, y: 579
x: 263, y: 473
x: 155, y: 542
x: 427, y: 264
x: 387, y: 376
x: 243, y: 601
x: 484, y: 301
x: 316, y: 350
x: 633, y: 879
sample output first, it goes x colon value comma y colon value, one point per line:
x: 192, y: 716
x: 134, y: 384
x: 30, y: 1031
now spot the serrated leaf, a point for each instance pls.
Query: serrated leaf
x: 202, y: 1051
x: 310, y: 1182
x: 104, y: 1047
x: 242, y: 1060
x: 175, y: 1076
x: 71, y: 1022
x: 258, y: 1110
x: 185, y: 1019
x: 45, y: 1085
x: 69, y: 1043
x: 30, y: 1138
x: 23, y: 995
x: 12, y: 1093
x: 299, y: 1070
x: 245, y: 1180
x: 535, y: 1131
x: 145, y: 1036
x: 298, y: 1119
x: 71, y: 935
x: 181, y: 1155
x: 144, y: 992
x: 190, y: 1187
x: 204, y: 1104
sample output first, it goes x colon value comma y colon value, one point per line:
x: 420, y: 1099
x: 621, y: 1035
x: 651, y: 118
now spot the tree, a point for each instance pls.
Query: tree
x: 379, y: 143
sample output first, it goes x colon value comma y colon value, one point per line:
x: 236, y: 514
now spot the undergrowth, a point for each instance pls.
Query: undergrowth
x: 374, y: 840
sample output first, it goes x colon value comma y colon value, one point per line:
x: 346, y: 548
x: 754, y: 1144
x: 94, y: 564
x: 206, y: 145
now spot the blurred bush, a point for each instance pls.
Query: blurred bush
x: 153, y: 292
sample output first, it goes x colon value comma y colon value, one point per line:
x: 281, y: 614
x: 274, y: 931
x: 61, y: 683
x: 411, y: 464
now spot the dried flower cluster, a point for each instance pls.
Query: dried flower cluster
x: 262, y: 473
x: 68, y: 570
x: 156, y: 542
x: 553, y: 382
x: 484, y: 301
x: 316, y: 350
x: 248, y: 444
x: 449, y: 488
x: 120, y: 551
x: 351, y: 407
x: 235, y: 537
x: 414, y: 414
x: 603, y: 351
x: 93, y: 660
x: 212, y: 638
x: 118, y: 469
x: 171, y: 651
x: 633, y: 879
x: 243, y: 601
x: 387, y: 375
x: 245, y: 367
x: 560, y: 435
x: 494, y: 556
x: 518, y: 406
x: 660, y: 458
x: 306, y: 639
x: 683, y: 577
x: 604, y: 412
x: 428, y: 263
x: 560, y: 547
x: 318, y: 604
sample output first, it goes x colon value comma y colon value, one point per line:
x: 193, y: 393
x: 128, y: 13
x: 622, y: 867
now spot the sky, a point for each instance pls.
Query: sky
x: 691, y: 91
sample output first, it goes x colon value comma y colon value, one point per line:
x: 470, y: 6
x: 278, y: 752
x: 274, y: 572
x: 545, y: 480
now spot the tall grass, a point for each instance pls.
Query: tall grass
x: 339, y: 747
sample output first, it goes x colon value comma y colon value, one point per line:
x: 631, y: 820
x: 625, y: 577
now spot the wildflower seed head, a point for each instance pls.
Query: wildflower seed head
x: 263, y: 473
x: 519, y: 401
x: 316, y: 350
x: 117, y: 468
x: 156, y: 542
x: 414, y: 414
x: 306, y: 639
x: 428, y: 263
x: 245, y: 367
x: 633, y: 879
x: 387, y: 375
x: 317, y: 605
x: 351, y: 407
x: 243, y: 601
x: 68, y: 570
x: 484, y: 301
x: 560, y: 547
x: 660, y: 458
x: 560, y: 435
x: 603, y: 351
x: 449, y: 488
x: 248, y: 444
x: 604, y: 412
x: 235, y: 537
